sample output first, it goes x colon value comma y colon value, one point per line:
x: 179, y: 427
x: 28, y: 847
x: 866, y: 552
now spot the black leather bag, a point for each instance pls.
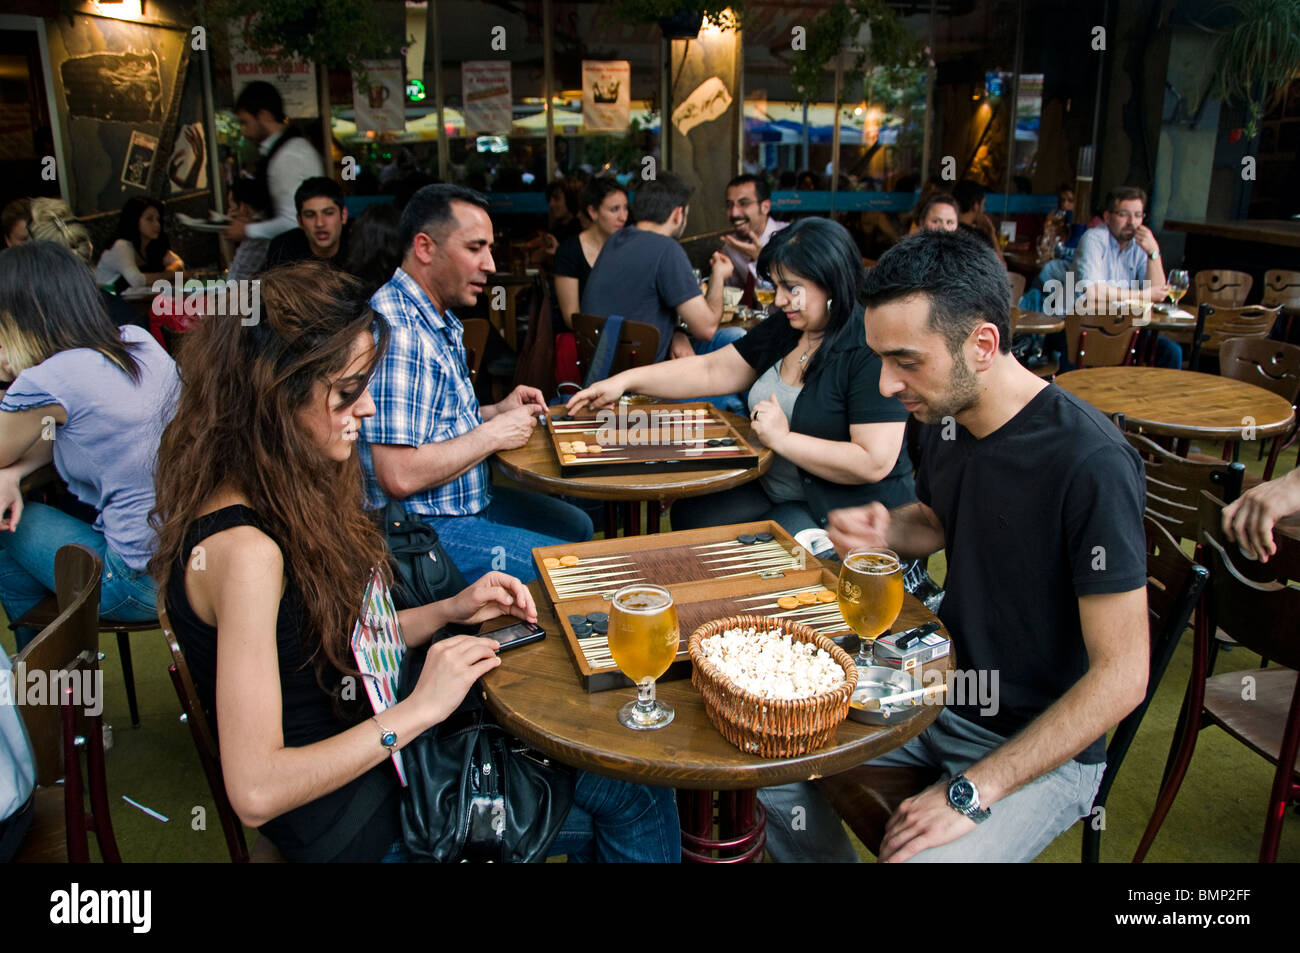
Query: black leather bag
x: 423, y: 572
x: 474, y: 793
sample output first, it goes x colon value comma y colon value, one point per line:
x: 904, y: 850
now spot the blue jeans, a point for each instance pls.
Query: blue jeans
x: 726, y: 335
x: 610, y: 822
x: 1019, y: 828
x: 503, y: 536
x: 27, y: 569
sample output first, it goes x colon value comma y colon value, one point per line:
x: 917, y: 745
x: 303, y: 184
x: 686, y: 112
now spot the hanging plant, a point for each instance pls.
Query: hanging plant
x: 723, y: 15
x: 1258, y: 56
x: 331, y: 33
x: 892, y: 46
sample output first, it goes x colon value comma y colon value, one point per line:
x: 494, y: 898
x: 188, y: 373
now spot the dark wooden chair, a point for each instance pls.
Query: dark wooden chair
x: 1017, y: 287
x: 1174, y: 585
x: 1174, y: 485
x: 205, y: 743
x: 476, y: 338
x: 1260, y: 708
x: 1282, y: 290
x: 1216, y: 324
x: 1272, y: 365
x: 638, y: 343
x: 60, y: 732
x: 1099, y: 340
x: 1221, y: 287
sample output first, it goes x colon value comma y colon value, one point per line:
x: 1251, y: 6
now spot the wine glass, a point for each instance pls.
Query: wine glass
x: 1178, y: 283
x: 870, y: 596
x: 643, y: 641
x: 765, y: 293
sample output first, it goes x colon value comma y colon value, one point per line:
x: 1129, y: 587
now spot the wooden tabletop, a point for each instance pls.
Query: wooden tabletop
x: 1034, y: 322
x: 535, y: 466
x: 1268, y: 231
x: 1163, y: 321
x: 1180, y: 403
x: 535, y: 694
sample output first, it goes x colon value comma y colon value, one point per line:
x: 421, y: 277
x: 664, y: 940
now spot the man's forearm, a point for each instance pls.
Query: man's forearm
x: 434, y: 464
x: 914, y: 532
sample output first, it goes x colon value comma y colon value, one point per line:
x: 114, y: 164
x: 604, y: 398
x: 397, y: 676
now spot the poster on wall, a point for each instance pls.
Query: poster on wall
x: 381, y: 103
x: 139, y: 160
x: 485, y: 88
x: 294, y: 77
x: 606, y: 95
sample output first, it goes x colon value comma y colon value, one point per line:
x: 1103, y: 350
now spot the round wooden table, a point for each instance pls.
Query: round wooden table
x: 536, y: 695
x: 534, y: 466
x: 1034, y: 322
x: 1181, y: 404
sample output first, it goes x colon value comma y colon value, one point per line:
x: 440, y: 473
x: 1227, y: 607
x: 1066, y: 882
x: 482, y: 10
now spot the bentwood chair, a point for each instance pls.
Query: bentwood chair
x: 1222, y: 288
x: 1282, y: 289
x: 61, y: 730
x: 1017, y: 287
x: 1099, y: 340
x: 1272, y: 365
x: 205, y: 744
x: 1175, y: 484
x: 1174, y: 585
x: 638, y: 343
x: 1261, y: 707
x: 1216, y: 324
x: 476, y: 339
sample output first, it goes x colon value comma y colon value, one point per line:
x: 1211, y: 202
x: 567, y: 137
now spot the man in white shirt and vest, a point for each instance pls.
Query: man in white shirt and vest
x: 287, y: 158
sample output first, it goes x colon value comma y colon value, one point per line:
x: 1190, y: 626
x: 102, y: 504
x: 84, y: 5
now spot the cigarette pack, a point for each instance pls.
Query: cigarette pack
x: 925, y: 649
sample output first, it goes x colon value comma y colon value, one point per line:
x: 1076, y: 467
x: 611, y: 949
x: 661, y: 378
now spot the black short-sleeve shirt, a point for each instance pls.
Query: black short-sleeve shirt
x: 644, y: 276
x: 1044, y: 510
x: 842, y: 390
x: 572, y: 263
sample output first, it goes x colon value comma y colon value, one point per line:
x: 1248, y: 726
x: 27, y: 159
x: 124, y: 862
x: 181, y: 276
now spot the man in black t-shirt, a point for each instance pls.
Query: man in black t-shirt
x: 1037, y: 500
x: 322, y: 231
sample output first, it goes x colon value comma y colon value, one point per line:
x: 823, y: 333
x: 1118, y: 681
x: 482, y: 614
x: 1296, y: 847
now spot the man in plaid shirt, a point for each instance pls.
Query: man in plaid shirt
x: 429, y: 440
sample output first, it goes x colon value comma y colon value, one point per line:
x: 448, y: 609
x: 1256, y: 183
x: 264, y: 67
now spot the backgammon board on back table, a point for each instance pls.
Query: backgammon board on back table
x: 711, y: 574
x: 631, y: 439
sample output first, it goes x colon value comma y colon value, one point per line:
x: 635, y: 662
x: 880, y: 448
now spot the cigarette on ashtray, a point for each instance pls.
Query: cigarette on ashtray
x: 895, y: 701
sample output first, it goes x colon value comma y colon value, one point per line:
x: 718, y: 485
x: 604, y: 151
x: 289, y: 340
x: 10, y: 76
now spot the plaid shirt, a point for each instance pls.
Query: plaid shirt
x: 422, y: 395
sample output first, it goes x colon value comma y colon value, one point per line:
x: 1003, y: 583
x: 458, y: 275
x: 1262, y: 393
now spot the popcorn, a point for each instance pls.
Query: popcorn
x: 772, y: 665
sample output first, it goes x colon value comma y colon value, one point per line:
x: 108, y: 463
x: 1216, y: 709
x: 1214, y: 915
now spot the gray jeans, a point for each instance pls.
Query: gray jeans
x: 1021, y: 826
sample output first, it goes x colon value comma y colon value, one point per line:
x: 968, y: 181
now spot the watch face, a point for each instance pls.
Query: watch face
x: 962, y: 793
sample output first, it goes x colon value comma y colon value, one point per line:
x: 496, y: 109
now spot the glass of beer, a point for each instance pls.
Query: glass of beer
x: 765, y: 293
x: 870, y: 596
x: 643, y: 640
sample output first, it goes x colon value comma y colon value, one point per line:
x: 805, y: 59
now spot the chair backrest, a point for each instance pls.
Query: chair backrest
x: 205, y: 742
x: 1281, y: 288
x: 1224, y: 323
x: 1222, y: 288
x: 638, y: 343
x: 1243, y: 601
x: 1282, y: 567
x: 1017, y: 287
x: 1174, y: 486
x: 1099, y: 340
x: 73, y: 632
x: 476, y: 338
x: 1272, y: 365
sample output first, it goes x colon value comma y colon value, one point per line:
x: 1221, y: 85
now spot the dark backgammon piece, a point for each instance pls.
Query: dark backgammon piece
x: 583, y: 630
x: 726, y: 441
x: 764, y: 537
x: 577, y: 620
x: 601, y: 628
x: 747, y: 539
x: 598, y: 618
x: 713, y: 443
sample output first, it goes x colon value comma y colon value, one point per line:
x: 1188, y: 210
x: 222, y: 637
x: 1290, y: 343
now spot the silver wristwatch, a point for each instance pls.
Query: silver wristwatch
x: 964, y: 798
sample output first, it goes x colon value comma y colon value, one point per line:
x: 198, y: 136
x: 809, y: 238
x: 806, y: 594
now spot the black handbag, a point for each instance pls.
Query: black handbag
x: 474, y: 793
x: 422, y: 570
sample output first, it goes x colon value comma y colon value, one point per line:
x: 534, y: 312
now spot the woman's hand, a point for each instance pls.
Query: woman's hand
x: 495, y: 594
x: 770, y: 422
x: 598, y: 395
x: 11, y: 498
x: 450, y: 670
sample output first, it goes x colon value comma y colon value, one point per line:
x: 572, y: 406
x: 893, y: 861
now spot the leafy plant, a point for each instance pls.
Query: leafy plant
x: 1258, y: 56
x: 892, y: 48
x: 723, y: 14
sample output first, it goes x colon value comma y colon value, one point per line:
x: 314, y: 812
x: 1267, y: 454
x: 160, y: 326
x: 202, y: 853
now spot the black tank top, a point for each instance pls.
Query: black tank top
x: 359, y: 821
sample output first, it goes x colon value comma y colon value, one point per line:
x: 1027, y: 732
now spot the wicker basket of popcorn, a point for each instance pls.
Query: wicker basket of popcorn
x: 772, y: 687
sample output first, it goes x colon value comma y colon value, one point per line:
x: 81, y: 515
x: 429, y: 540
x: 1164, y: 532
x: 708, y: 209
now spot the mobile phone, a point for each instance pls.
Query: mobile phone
x: 513, y: 636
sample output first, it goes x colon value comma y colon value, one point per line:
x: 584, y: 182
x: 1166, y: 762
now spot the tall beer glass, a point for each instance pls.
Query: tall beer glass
x: 870, y: 596
x: 643, y: 640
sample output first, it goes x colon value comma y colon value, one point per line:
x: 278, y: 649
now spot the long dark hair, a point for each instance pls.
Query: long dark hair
x: 49, y: 303
x: 236, y: 425
x: 375, y: 249
x: 822, y: 252
x: 128, y: 227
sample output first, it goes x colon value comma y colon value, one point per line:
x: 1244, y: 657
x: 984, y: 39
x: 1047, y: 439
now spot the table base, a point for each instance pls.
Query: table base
x: 742, y: 827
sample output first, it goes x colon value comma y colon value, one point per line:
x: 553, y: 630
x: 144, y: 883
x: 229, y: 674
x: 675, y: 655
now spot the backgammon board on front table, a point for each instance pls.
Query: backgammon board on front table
x: 631, y: 439
x: 710, y: 574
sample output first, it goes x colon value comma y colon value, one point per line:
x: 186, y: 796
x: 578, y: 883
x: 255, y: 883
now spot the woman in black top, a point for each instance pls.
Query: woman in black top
x: 606, y: 205
x: 264, y: 554
x: 814, y: 392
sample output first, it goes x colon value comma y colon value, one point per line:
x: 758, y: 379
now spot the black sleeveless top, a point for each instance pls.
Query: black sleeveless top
x: 359, y: 821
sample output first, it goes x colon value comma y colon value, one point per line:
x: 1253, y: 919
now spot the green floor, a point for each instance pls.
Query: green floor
x: 1219, y: 814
